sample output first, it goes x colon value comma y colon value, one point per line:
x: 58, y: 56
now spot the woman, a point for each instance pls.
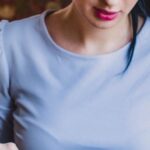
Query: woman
x: 77, y: 78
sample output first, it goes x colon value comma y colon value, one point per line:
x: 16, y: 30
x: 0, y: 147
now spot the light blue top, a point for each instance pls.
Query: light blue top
x: 61, y: 100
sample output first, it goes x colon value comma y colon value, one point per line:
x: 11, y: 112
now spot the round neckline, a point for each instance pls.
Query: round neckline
x: 120, y: 52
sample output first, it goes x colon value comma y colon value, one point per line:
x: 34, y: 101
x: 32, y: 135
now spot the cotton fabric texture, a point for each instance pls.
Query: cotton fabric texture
x: 54, y: 99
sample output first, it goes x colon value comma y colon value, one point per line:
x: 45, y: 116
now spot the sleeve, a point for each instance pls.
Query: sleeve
x: 6, y: 103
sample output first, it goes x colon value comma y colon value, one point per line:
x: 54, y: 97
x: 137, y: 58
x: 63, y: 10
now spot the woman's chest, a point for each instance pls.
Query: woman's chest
x: 102, y: 114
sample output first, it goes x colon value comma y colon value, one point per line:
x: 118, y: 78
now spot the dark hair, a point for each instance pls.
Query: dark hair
x: 140, y: 9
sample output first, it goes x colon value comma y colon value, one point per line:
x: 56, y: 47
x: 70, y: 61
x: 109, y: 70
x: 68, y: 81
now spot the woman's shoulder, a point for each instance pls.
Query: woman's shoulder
x: 17, y: 32
x: 144, y: 29
x: 147, y: 24
x: 148, y: 21
x: 19, y: 26
x: 143, y: 44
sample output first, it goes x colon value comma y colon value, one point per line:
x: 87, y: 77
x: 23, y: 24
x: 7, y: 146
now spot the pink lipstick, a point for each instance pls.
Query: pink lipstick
x: 105, y: 15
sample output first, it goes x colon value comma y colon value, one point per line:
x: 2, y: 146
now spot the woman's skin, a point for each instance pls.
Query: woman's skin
x: 77, y: 29
x: 8, y: 146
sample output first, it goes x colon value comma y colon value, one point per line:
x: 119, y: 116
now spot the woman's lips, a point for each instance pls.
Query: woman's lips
x: 106, y: 15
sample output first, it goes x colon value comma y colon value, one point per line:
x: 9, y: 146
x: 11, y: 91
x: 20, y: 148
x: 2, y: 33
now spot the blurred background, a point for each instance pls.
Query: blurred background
x: 16, y: 9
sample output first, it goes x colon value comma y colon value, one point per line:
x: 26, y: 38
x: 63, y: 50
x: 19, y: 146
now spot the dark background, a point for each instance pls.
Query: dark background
x: 15, y: 9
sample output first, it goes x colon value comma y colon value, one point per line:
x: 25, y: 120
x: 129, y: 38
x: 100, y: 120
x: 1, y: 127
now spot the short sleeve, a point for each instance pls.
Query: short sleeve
x: 6, y: 103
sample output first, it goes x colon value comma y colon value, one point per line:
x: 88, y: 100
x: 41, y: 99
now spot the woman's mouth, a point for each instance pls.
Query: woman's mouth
x: 106, y: 15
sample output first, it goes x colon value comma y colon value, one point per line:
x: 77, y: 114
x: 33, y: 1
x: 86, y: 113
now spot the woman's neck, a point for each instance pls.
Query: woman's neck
x: 102, y: 39
x: 79, y: 36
